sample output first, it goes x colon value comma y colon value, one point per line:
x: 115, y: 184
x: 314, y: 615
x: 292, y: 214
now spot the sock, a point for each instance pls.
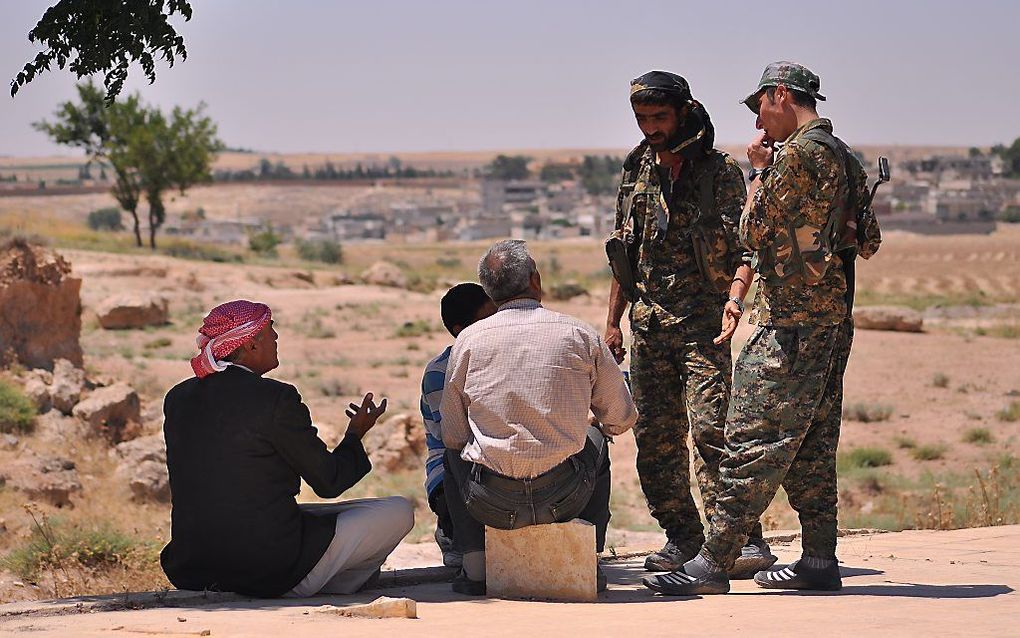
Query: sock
x: 474, y: 565
x: 700, y: 566
x: 814, y: 562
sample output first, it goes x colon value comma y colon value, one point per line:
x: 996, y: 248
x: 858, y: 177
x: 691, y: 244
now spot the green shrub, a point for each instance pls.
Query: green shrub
x: 416, y: 328
x: 264, y: 242
x: 109, y: 218
x: 161, y: 342
x: 940, y: 380
x: 905, y: 442
x: 868, y: 457
x: 978, y: 436
x: 1010, y: 413
x: 328, y: 252
x: 53, y: 544
x: 867, y: 412
x: 929, y: 452
x: 17, y: 411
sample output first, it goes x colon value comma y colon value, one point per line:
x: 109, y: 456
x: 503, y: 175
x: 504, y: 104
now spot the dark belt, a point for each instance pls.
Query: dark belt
x: 489, y: 478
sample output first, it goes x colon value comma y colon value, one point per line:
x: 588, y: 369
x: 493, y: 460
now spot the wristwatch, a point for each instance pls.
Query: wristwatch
x: 754, y: 172
x: 740, y: 304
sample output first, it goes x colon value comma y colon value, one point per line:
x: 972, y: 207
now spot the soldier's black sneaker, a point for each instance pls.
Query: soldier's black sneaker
x: 799, y: 576
x: 680, y: 583
x: 464, y: 585
x: 754, y: 557
x: 671, y: 557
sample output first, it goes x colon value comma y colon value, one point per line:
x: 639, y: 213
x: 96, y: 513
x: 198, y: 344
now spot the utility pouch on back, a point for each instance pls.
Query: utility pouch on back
x: 709, y: 240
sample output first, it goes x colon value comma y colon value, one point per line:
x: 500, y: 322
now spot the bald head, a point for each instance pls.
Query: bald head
x: 507, y: 271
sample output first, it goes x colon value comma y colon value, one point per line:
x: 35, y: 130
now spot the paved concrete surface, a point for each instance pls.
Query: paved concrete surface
x: 916, y: 583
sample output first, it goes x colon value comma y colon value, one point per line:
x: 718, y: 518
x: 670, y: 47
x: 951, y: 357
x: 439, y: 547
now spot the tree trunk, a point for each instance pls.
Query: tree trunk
x: 138, y: 230
x: 152, y: 231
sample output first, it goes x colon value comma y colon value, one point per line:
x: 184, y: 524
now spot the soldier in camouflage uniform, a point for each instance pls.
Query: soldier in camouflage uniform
x: 784, y: 417
x: 682, y: 208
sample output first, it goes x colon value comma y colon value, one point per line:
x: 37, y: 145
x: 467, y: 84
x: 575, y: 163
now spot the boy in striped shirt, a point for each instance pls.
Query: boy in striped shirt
x: 461, y: 306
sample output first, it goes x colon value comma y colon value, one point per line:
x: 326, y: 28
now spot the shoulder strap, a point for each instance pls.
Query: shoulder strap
x: 706, y: 183
x: 838, y: 213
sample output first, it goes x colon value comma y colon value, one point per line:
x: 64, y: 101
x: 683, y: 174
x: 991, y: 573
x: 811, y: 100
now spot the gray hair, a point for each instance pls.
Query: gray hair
x: 505, y: 269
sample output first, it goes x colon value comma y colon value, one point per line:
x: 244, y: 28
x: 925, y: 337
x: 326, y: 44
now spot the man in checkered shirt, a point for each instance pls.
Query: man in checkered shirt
x: 519, y: 388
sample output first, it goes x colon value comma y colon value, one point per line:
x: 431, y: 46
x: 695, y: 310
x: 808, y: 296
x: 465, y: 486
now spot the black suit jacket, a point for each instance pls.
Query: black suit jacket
x: 237, y: 446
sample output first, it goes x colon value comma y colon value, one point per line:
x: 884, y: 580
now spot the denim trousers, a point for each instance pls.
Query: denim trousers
x: 576, y: 488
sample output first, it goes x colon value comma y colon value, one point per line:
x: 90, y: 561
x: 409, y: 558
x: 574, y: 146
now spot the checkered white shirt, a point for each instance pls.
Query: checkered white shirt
x: 519, y: 386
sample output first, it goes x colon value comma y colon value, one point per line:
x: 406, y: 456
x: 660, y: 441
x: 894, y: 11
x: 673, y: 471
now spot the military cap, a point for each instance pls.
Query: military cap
x: 794, y: 76
x: 662, y: 81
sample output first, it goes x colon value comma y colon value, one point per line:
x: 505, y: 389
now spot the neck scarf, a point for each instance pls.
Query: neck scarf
x: 226, y: 328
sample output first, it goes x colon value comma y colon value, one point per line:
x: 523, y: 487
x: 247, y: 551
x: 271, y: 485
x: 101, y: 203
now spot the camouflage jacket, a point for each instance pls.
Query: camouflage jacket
x: 801, y: 187
x: 672, y: 287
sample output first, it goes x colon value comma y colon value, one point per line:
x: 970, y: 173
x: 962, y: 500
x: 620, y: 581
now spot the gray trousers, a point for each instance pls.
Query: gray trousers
x: 367, y: 530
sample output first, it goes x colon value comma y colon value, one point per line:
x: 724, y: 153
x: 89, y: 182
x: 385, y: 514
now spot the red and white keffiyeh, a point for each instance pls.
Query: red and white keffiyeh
x: 226, y: 328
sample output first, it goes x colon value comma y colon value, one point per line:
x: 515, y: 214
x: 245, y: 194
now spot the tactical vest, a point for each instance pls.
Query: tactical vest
x: 709, y: 242
x: 802, y: 253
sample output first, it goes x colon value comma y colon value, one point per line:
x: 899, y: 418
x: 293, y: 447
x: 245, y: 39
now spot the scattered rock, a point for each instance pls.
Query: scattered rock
x: 896, y: 318
x: 39, y: 392
x: 398, y: 443
x: 383, y: 273
x: 113, y: 411
x: 46, y: 478
x: 132, y: 311
x: 9, y: 442
x: 68, y: 384
x: 567, y: 290
x: 342, y: 279
x: 143, y: 466
x: 55, y: 427
x: 40, y: 306
x: 382, y: 607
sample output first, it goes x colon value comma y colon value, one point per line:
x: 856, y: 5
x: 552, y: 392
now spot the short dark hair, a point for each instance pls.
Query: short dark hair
x: 461, y: 303
x: 799, y: 98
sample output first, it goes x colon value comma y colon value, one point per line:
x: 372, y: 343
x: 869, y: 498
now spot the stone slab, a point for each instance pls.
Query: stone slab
x: 554, y: 562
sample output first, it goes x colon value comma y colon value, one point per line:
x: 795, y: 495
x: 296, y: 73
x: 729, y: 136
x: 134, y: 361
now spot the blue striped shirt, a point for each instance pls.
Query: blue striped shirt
x: 432, y: 384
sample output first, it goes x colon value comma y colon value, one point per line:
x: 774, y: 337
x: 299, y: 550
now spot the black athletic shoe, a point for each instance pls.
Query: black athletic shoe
x: 671, y: 557
x: 754, y: 557
x: 797, y: 576
x: 464, y: 585
x: 678, y: 583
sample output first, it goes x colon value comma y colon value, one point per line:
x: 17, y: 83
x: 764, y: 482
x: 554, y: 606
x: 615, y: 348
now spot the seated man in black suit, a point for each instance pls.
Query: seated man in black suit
x: 238, y: 445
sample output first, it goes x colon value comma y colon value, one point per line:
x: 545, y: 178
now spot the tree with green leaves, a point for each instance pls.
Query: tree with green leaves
x: 106, y: 36
x: 150, y: 153
x: 508, y: 167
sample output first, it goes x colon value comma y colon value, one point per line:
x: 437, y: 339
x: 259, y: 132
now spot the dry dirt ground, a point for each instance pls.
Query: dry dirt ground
x: 914, y: 583
x: 338, y: 341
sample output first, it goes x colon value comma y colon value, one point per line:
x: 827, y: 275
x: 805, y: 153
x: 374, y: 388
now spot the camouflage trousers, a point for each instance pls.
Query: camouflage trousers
x: 782, y: 429
x: 681, y: 385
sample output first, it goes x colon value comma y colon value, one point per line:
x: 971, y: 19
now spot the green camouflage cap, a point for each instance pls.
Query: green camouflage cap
x: 794, y: 76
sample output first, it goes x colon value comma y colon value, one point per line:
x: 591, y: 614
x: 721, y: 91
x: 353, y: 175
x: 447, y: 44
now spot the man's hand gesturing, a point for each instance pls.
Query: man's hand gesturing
x: 614, y: 340
x: 364, y: 416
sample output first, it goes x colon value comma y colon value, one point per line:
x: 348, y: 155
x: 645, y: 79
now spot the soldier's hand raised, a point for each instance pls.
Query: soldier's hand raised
x: 760, y: 150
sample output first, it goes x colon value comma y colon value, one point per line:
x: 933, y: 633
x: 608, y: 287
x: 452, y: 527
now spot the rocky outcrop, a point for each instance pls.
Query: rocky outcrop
x: 44, y: 478
x: 113, y: 412
x: 896, y: 318
x: 135, y: 310
x: 40, y: 307
x: 383, y: 273
x: 143, y: 467
x: 67, y: 386
x: 567, y: 290
x: 397, y: 444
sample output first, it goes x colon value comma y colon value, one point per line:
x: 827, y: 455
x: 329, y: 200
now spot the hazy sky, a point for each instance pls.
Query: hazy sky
x: 305, y: 75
